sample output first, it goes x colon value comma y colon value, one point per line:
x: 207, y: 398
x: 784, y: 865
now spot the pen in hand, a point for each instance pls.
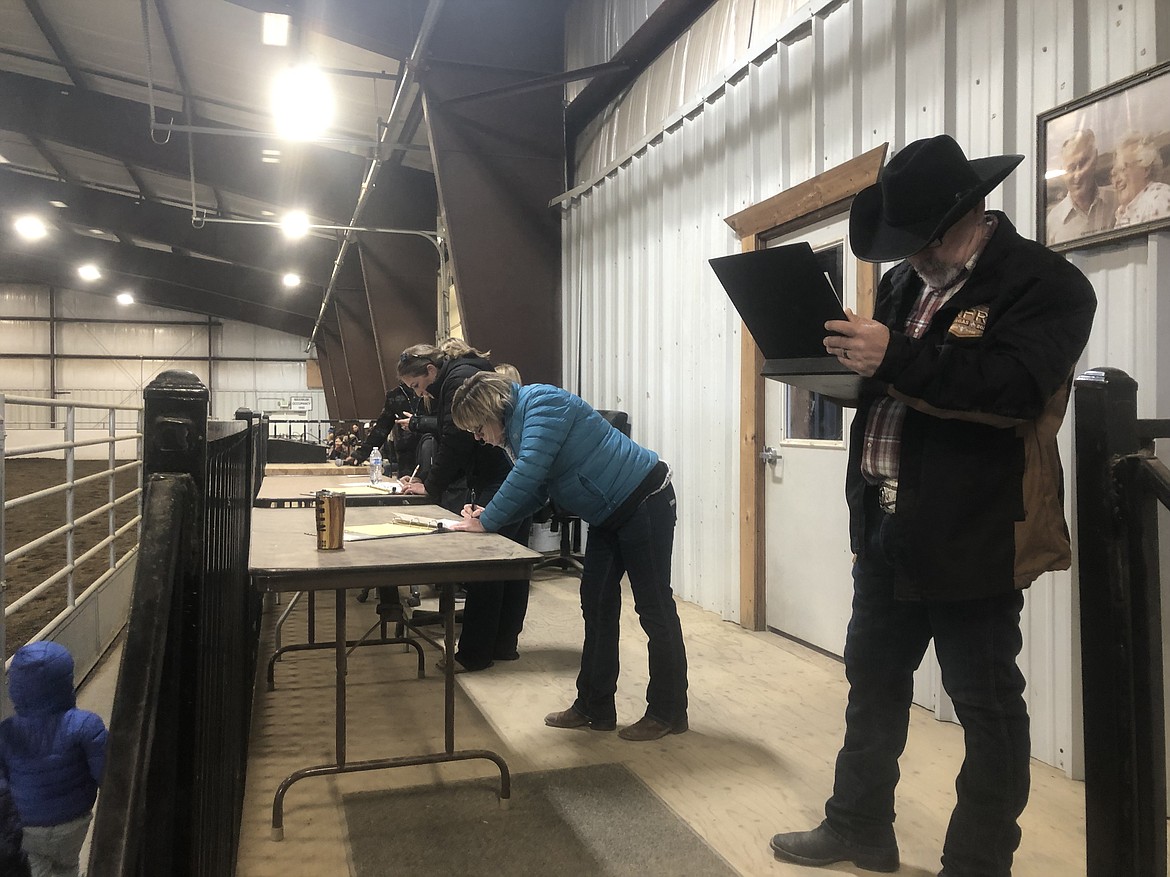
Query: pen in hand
x: 409, y: 478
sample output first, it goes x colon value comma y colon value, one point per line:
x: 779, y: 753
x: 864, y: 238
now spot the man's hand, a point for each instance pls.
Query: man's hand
x: 471, y: 510
x: 859, y: 344
x: 412, y: 485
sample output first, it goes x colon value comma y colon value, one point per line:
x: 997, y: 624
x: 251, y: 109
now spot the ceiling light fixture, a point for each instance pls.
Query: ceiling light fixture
x: 89, y: 271
x: 274, y: 29
x: 270, y: 156
x: 58, y: 204
x: 31, y: 228
x: 291, y: 281
x: 302, y: 102
x: 295, y: 224
x: 125, y: 298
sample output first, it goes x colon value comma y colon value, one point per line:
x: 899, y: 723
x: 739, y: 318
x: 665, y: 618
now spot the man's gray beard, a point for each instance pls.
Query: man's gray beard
x: 936, y: 274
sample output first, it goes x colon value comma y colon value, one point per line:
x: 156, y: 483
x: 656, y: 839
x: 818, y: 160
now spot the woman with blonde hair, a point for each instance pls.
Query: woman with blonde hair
x: 509, y: 371
x: 565, y: 451
x: 493, y: 613
x: 1141, y: 196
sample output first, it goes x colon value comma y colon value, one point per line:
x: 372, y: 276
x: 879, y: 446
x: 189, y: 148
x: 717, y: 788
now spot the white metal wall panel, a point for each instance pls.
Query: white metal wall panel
x: 880, y: 60
x: 123, y: 379
x: 835, y: 44
x: 116, y: 374
x: 596, y: 29
x: 78, y: 304
x: 144, y: 339
x: 797, y: 119
x: 647, y: 323
x: 770, y: 17
x: 923, y: 80
x: 262, y: 377
x: 23, y: 336
x: 22, y: 300
x: 246, y: 339
x: 26, y: 377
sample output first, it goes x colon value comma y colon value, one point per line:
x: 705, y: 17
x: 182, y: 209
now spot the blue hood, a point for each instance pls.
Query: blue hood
x: 40, y: 679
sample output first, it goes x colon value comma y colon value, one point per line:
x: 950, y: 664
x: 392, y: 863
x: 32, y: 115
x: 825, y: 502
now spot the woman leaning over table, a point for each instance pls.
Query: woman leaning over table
x: 564, y: 450
x: 493, y: 612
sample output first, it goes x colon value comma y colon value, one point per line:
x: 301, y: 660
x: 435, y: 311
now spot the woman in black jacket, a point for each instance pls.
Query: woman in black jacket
x: 464, y: 470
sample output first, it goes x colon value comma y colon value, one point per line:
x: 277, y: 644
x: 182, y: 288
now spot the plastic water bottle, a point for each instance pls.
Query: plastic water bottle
x: 375, y: 466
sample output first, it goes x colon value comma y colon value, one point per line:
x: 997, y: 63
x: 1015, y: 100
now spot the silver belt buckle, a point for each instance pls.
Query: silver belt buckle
x: 888, y: 496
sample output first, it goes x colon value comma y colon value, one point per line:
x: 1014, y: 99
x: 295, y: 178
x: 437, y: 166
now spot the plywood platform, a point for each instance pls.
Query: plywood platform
x: 765, y: 716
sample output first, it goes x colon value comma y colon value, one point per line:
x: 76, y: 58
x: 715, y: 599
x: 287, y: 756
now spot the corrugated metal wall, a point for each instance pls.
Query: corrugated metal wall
x: 760, y: 96
x: 99, y: 360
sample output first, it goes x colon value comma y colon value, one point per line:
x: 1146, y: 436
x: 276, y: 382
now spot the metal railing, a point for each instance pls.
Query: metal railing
x: 314, y: 431
x: 174, y: 783
x: 65, y: 534
x: 1120, y: 483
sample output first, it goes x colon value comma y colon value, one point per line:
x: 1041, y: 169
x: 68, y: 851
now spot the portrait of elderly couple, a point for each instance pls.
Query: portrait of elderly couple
x: 1105, y: 163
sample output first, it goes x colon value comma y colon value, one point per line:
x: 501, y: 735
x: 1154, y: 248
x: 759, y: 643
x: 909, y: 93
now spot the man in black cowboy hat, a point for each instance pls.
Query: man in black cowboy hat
x: 955, y: 495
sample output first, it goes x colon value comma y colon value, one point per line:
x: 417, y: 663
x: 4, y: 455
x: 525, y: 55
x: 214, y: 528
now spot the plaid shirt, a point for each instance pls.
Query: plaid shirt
x: 883, y: 428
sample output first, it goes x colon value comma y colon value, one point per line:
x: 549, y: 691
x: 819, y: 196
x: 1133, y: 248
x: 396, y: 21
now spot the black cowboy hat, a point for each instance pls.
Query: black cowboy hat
x: 922, y: 192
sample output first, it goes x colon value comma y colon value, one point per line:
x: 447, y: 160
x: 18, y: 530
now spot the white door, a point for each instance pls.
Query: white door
x: 808, y: 561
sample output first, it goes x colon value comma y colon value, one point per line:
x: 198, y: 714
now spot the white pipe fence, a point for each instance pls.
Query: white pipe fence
x: 66, y: 448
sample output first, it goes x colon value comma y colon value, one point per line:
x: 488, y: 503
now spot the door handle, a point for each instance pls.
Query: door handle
x: 770, y: 456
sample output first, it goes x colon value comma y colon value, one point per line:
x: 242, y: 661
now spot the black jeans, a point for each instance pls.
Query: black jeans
x: 641, y: 547
x: 493, y: 612
x: 977, y: 643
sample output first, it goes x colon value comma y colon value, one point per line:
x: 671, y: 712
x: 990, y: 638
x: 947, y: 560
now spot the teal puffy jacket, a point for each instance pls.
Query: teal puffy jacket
x: 565, y: 451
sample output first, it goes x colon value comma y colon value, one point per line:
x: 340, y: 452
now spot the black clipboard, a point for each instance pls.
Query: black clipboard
x: 784, y: 298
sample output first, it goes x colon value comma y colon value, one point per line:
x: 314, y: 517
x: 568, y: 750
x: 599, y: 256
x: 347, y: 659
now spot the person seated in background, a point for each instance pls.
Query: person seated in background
x: 1141, y: 195
x: 401, y: 452
x: 338, y: 450
x: 564, y: 450
x: 52, y: 755
x: 354, y: 439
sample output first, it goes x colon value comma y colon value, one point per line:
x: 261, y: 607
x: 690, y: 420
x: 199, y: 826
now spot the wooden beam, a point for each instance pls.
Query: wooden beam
x: 752, y: 538
x: 795, y: 207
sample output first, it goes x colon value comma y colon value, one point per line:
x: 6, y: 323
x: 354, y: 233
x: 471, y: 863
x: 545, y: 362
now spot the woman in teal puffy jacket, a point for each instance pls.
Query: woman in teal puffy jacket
x: 565, y: 451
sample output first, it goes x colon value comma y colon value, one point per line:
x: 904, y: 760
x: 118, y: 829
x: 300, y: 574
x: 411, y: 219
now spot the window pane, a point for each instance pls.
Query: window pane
x: 811, y: 416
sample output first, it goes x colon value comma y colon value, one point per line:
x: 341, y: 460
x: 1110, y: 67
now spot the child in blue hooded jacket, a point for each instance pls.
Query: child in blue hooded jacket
x: 52, y: 755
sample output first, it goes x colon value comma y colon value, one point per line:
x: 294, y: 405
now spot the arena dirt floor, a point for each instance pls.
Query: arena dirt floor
x: 27, y: 522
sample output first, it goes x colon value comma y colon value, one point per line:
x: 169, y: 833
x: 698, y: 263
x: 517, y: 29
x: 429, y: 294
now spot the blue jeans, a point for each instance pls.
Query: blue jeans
x: 641, y: 547
x: 977, y: 643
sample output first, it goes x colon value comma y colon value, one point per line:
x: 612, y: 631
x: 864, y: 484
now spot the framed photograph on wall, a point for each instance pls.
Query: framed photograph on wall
x: 1104, y: 163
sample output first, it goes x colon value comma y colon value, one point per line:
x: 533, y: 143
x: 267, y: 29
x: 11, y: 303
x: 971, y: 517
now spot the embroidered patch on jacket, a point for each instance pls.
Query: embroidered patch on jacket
x: 970, y: 323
